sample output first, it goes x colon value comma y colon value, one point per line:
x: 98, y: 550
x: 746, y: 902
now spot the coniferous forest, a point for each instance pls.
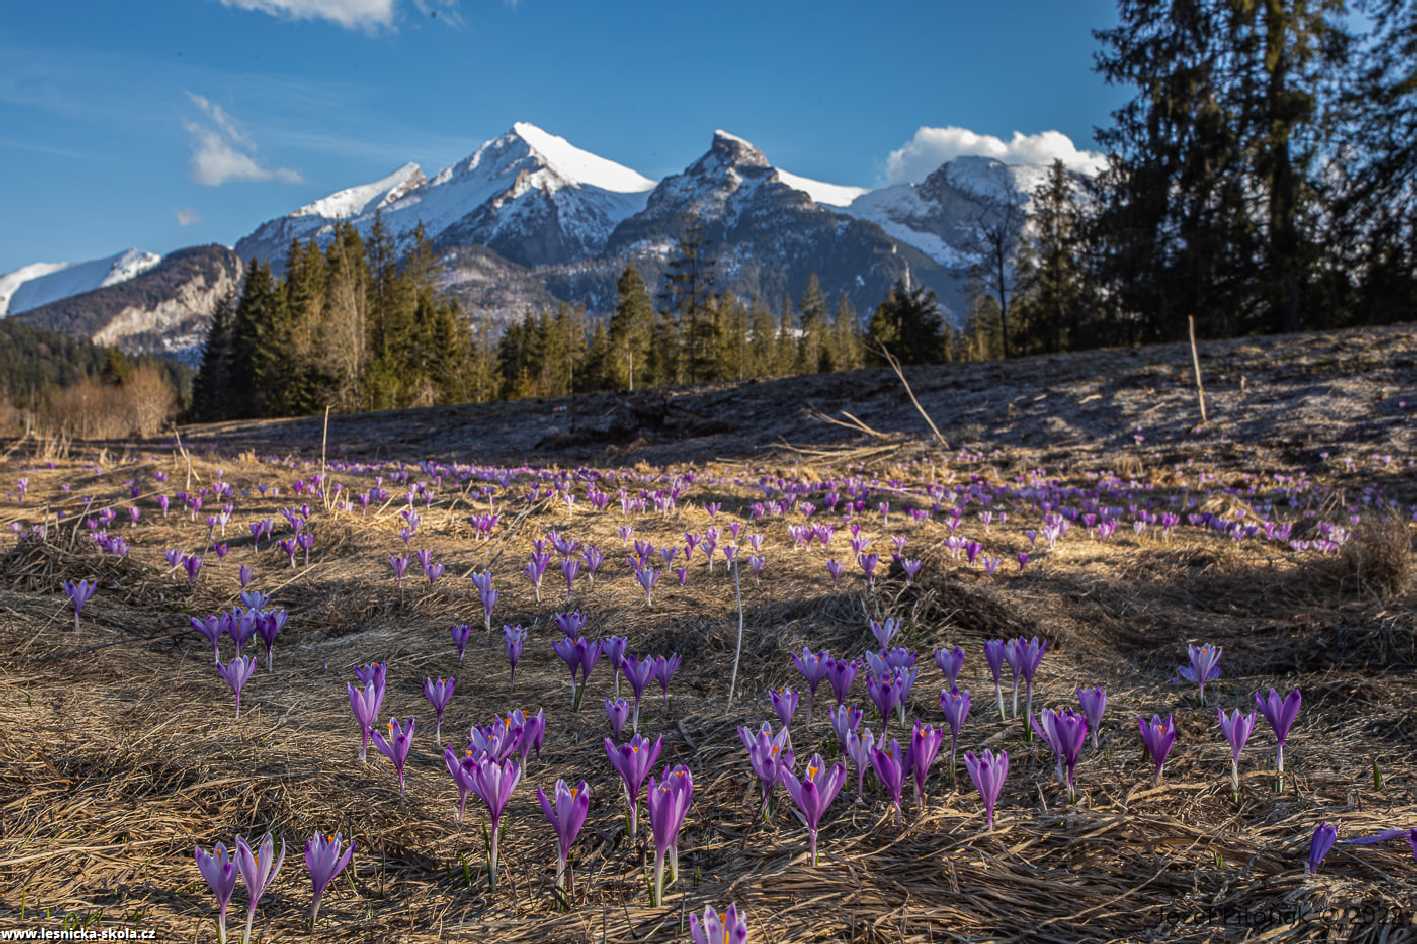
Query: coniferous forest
x: 1262, y: 177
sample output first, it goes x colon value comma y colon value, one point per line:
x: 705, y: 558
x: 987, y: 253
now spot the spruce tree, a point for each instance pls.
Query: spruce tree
x: 213, y: 386
x: 812, y: 355
x: 909, y: 326
x: 627, y: 350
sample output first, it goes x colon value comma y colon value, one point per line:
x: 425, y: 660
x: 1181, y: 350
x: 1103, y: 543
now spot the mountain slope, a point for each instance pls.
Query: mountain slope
x: 767, y: 234
x: 530, y: 195
x: 165, y: 310
x: 45, y: 282
x: 941, y: 214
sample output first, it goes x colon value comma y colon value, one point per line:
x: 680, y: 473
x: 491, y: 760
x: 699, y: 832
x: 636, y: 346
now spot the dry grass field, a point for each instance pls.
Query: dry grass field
x: 120, y: 750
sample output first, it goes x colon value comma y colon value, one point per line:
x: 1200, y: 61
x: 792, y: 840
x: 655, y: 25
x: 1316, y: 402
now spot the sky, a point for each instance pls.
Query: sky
x: 170, y: 123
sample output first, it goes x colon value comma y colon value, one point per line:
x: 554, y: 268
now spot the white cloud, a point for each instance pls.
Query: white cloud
x: 222, y: 152
x: 928, y: 148
x: 221, y: 119
x: 351, y: 14
x: 187, y: 216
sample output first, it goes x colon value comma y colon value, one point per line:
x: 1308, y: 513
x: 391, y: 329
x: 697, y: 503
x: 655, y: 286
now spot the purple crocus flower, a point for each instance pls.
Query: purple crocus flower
x: 834, y: 570
x: 638, y: 672
x: 1281, y: 714
x: 669, y: 800
x: 730, y: 927
x: 1066, y: 732
x: 633, y: 761
x: 858, y: 746
x: 571, y: 624
x: 925, y: 740
x: 493, y: 783
x: 218, y: 867
x: 1237, y: 729
x: 844, y: 719
x: 236, y: 673
x: 374, y: 673
x: 618, y: 711
x: 955, y: 704
x: 950, y: 661
x: 396, y: 746
x: 533, y: 729
x: 240, y: 627
x: 488, y: 596
x: 813, y: 667
x: 612, y: 648
x: 995, y: 652
x: 192, y: 564
x: 212, y: 629
x: 816, y: 791
x: 885, y: 695
x: 439, y: 692
x: 268, y: 627
x: 840, y: 674
x: 580, y: 656
x: 664, y: 669
x: 769, y: 754
x: 259, y: 868
x: 647, y: 576
x: 567, y: 814
x: 1325, y: 835
x: 1159, y: 737
x: 988, y: 771
x: 1204, y: 667
x: 244, y: 575
x: 514, y: 639
x: 885, y: 630
x: 365, y: 703
x: 79, y: 593
x: 326, y: 856
x: 536, y: 570
x: 1094, y: 704
x: 461, y: 768
x: 890, y: 769
x: 784, y: 703
x: 1030, y: 656
x: 461, y: 633
x: 398, y: 563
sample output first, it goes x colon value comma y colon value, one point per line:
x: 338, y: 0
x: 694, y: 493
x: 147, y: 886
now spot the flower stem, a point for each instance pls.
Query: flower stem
x: 657, y: 892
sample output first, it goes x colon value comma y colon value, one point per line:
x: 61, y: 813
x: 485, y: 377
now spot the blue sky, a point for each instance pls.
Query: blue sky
x: 195, y: 120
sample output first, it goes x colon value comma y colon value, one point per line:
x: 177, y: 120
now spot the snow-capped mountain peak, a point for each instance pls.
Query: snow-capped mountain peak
x: 367, y: 197
x: 729, y: 150
x: 580, y: 167
x: 45, y: 282
x: 529, y: 194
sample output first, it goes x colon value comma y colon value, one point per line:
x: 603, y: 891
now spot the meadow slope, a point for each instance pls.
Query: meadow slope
x: 1290, y: 549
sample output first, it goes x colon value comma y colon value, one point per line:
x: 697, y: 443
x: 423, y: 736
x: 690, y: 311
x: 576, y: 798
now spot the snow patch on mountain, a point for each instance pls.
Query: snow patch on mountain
x: 367, y: 197
x: 581, y: 167
x: 837, y: 195
x: 45, y: 282
x: 11, y: 281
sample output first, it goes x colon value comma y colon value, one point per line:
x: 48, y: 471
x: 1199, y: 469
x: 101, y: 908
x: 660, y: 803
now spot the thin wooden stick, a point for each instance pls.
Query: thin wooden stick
x: 324, y: 437
x: 738, y: 649
x: 895, y: 366
x: 182, y: 449
x: 1196, y: 363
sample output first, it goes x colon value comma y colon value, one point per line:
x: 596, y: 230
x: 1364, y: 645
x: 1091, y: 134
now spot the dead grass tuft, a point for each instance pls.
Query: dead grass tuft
x: 1378, y: 556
